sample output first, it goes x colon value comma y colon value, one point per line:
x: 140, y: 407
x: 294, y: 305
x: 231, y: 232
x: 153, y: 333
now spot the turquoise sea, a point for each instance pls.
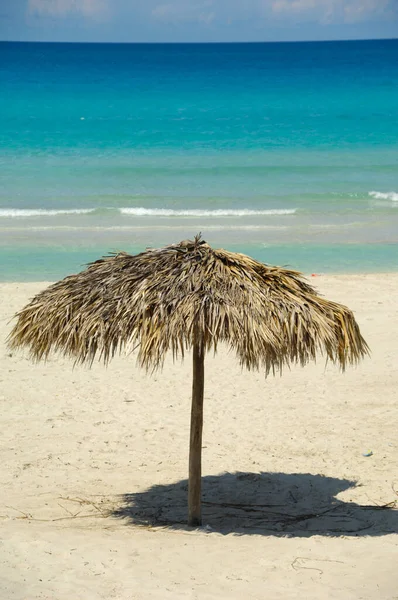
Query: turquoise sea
x: 288, y: 152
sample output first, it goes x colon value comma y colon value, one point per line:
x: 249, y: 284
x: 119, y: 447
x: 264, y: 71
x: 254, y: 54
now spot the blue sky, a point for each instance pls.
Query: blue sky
x: 196, y: 20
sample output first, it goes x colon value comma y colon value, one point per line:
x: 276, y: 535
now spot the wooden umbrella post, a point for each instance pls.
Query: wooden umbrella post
x: 195, y: 447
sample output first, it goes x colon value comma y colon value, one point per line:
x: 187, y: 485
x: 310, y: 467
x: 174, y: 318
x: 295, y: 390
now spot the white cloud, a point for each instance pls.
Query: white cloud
x: 294, y: 5
x: 183, y: 11
x: 330, y: 11
x: 338, y: 12
x: 63, y: 8
x: 361, y: 10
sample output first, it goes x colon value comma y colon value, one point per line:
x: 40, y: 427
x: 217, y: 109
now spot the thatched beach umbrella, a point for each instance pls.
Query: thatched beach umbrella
x: 186, y: 296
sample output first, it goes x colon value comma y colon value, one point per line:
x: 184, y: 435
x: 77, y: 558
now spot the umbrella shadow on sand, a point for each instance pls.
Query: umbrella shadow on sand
x: 296, y: 504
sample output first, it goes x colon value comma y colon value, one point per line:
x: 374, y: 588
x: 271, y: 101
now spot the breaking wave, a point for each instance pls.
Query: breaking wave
x: 384, y: 196
x: 143, y: 212
x: 165, y: 212
x: 42, y: 212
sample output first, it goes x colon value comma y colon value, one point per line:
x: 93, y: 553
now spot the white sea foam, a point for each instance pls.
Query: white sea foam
x: 143, y: 212
x: 393, y: 196
x: 166, y: 212
x: 42, y: 212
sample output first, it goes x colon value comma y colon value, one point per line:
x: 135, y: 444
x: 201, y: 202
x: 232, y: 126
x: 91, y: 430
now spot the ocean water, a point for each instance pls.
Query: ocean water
x: 288, y: 152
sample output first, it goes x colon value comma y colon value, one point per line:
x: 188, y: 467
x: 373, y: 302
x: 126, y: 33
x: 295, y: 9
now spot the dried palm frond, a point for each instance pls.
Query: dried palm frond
x: 162, y: 299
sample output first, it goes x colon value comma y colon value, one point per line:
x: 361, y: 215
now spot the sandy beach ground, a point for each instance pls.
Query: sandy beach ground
x: 90, y: 458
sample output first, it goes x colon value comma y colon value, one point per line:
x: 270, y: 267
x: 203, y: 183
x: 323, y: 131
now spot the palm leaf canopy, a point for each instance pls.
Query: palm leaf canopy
x: 165, y: 299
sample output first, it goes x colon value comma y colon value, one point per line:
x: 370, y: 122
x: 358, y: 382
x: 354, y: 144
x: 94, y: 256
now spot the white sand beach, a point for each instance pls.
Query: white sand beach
x: 94, y: 467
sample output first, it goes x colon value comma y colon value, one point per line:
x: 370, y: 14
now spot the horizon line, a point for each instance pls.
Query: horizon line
x: 203, y: 43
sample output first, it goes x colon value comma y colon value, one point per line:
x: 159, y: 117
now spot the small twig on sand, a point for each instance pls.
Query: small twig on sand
x: 298, y: 566
x: 25, y: 515
x: 104, y: 514
x: 68, y: 511
x: 83, y: 501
